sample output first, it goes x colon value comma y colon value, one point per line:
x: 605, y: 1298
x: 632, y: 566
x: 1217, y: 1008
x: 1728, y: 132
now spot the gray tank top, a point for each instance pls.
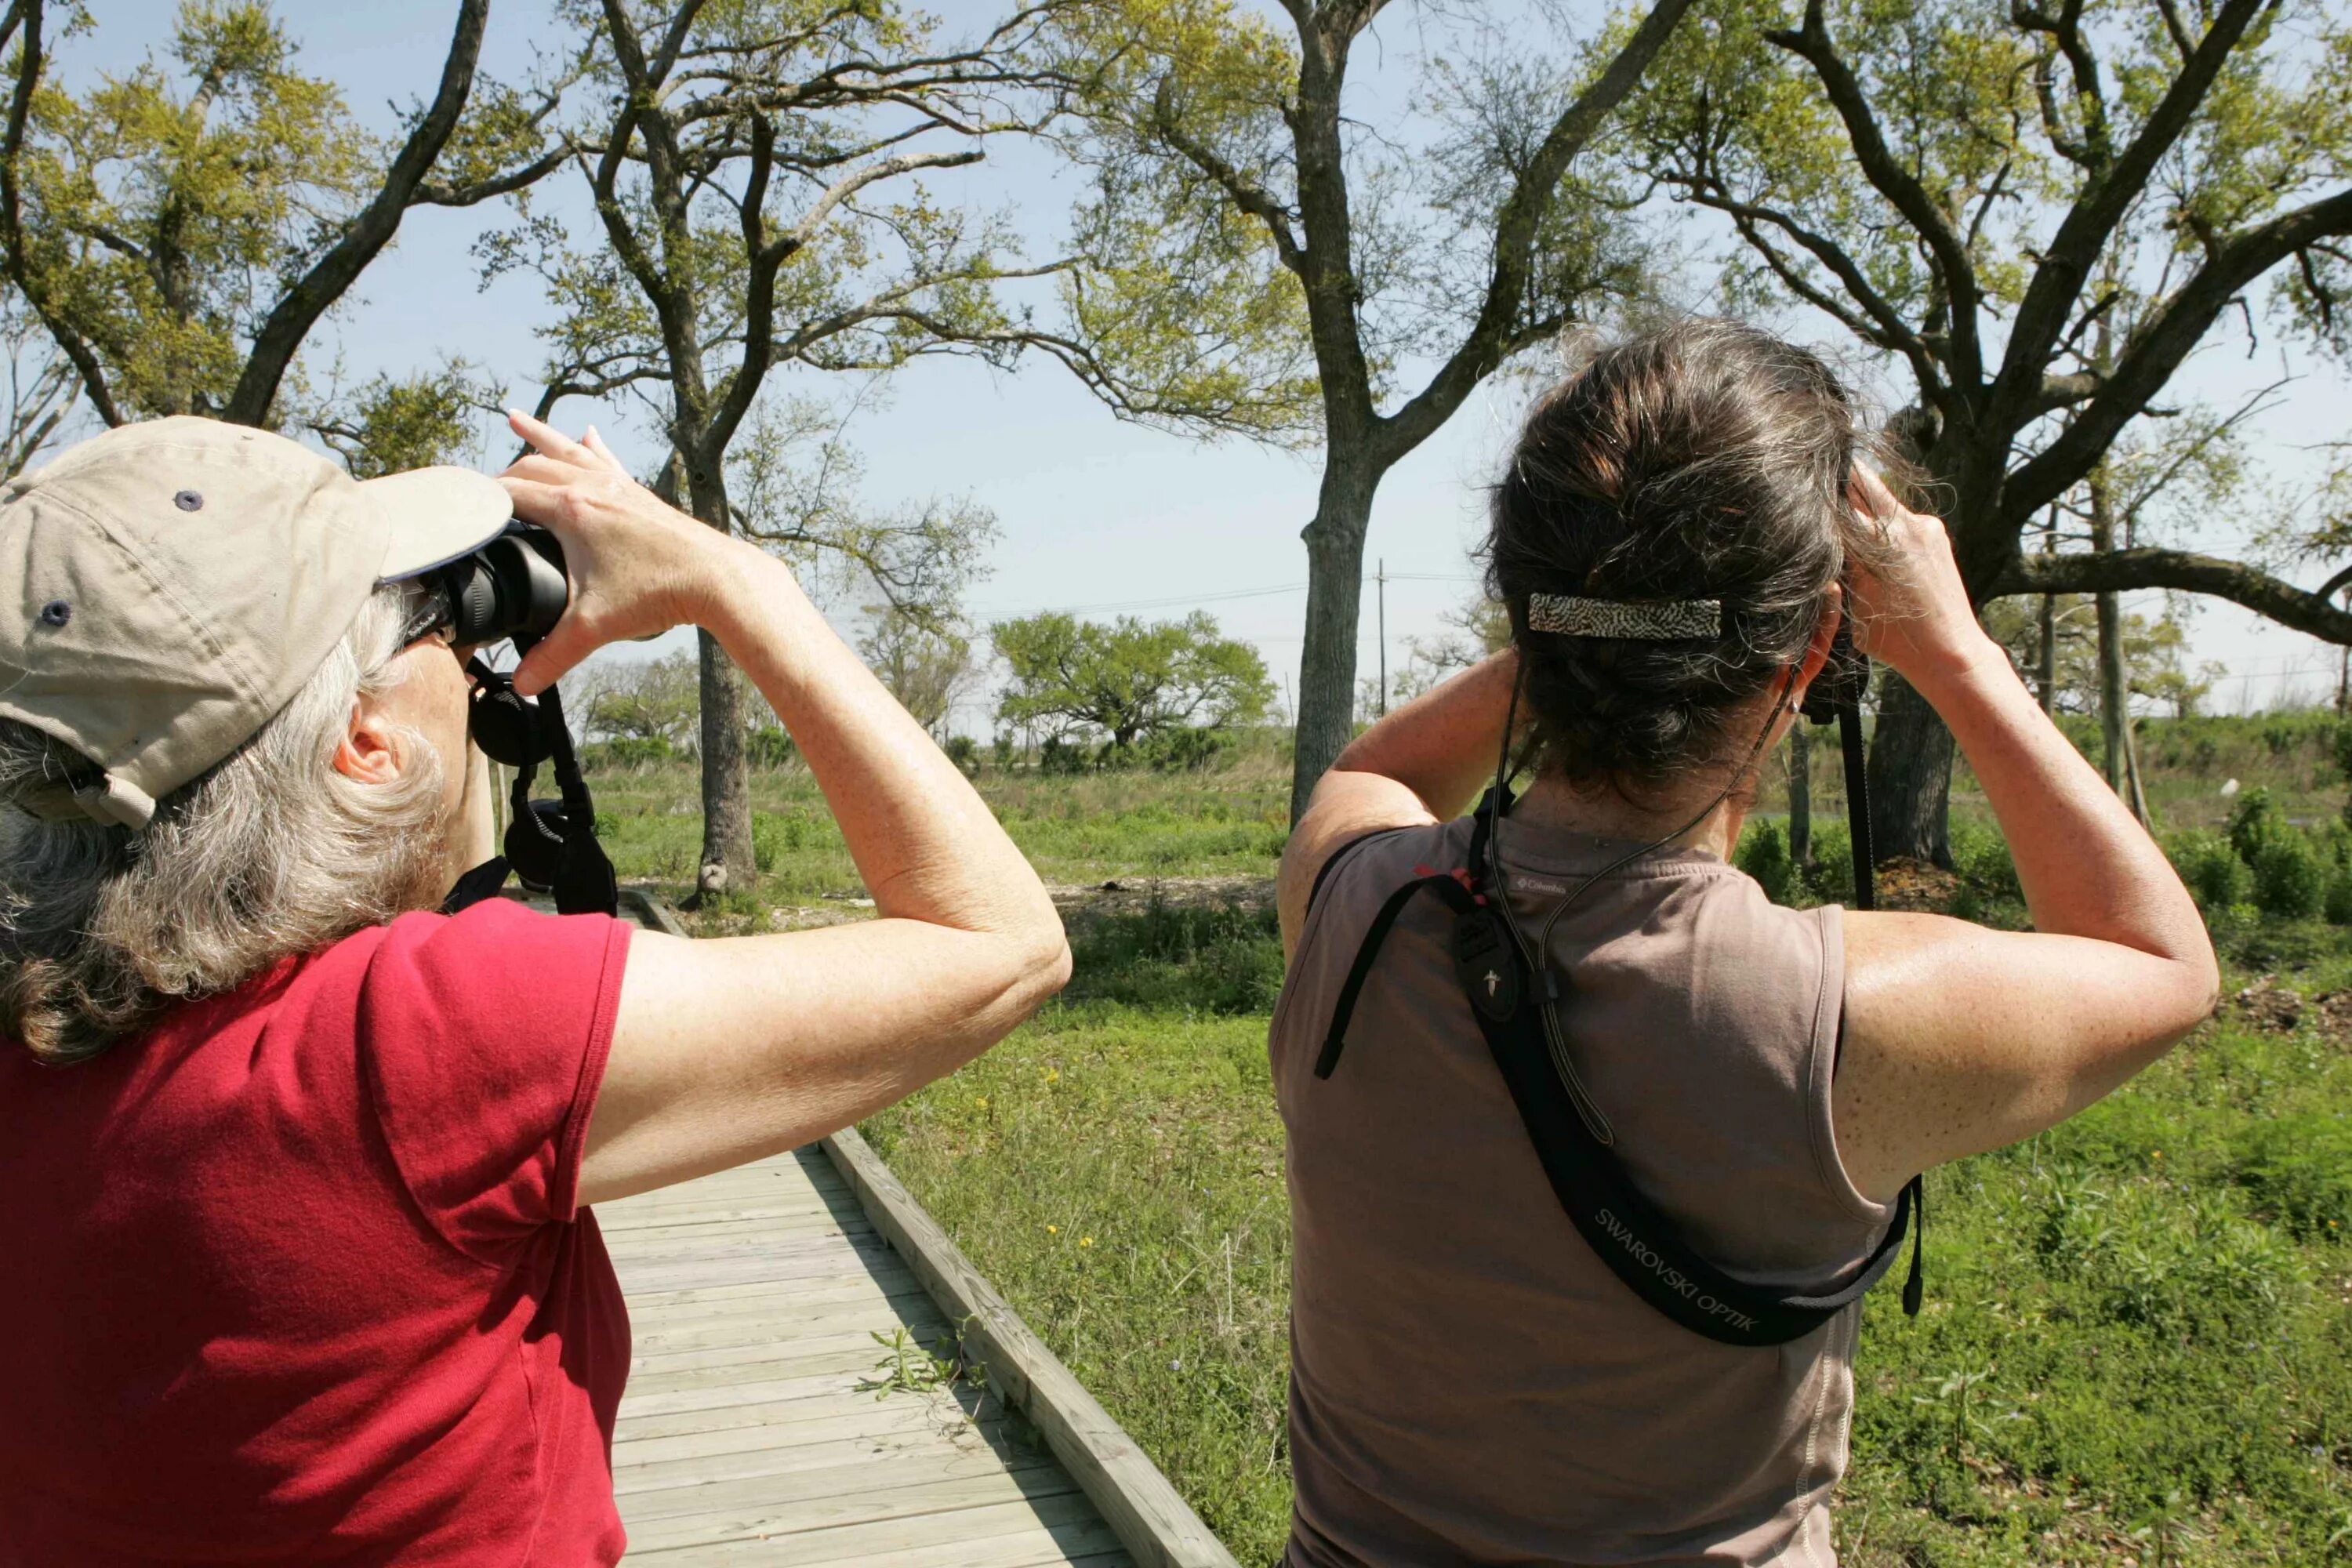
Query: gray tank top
x: 1469, y: 1382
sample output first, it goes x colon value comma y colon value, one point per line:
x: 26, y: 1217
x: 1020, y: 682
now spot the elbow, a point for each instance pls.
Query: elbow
x: 1041, y: 964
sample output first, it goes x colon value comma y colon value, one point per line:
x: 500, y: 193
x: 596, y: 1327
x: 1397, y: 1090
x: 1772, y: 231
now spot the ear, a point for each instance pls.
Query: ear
x: 1817, y: 651
x: 370, y: 749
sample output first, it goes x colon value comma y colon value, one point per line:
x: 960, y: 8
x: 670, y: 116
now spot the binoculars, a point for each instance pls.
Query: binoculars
x: 513, y: 588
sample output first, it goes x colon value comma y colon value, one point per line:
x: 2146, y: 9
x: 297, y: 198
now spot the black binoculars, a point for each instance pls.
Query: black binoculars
x: 514, y: 586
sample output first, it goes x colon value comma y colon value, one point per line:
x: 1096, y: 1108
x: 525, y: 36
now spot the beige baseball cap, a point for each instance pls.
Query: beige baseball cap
x: 167, y: 587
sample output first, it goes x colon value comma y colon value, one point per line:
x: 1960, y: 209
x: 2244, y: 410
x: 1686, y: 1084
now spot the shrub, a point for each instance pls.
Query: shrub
x: 775, y: 835
x: 1763, y: 854
x: 2217, y: 878
x: 2254, y: 819
x: 768, y: 746
x: 965, y: 752
x: 1830, y: 873
x: 1981, y: 855
x: 626, y: 751
x: 1059, y: 758
x: 2290, y: 878
x: 1186, y: 749
x: 2338, y: 903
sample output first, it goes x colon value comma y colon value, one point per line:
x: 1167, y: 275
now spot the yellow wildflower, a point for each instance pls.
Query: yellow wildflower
x: 1053, y: 1230
x: 1085, y: 1241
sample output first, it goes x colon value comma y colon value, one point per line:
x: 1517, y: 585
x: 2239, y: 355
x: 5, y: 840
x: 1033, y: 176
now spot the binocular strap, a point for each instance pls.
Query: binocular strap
x: 1640, y: 1246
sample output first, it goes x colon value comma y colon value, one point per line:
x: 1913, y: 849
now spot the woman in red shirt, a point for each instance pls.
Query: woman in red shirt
x: 300, y: 1263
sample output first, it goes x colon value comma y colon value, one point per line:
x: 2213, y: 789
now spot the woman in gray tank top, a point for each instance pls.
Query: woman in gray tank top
x: 1683, y: 525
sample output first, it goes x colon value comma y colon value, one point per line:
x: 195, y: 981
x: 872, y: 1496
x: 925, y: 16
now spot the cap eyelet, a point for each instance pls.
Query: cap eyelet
x: 56, y: 613
x: 188, y: 500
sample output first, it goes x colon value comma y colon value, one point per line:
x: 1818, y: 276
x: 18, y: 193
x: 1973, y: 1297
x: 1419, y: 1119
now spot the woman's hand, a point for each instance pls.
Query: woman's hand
x: 1915, y: 616
x: 637, y: 565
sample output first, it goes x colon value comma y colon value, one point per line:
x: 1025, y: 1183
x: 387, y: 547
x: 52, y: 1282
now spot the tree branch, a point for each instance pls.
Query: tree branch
x: 2082, y: 233
x: 2121, y: 570
x: 26, y: 15
x: 299, y: 310
x: 1246, y: 194
x: 1886, y: 175
x: 2161, y: 341
x: 1516, y: 226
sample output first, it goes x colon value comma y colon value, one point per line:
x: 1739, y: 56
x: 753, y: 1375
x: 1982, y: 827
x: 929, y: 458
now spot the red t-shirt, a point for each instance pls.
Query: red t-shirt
x: 296, y: 1277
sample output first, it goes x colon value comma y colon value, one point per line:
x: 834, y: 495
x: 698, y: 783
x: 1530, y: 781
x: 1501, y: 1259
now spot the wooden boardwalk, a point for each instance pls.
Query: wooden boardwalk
x: 755, y: 1429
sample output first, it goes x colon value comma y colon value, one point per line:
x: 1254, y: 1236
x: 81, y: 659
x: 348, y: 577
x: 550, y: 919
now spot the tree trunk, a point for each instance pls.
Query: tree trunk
x: 727, y: 860
x: 1335, y: 594
x: 1909, y: 776
x: 2046, y: 678
x: 2112, y: 696
x: 1800, y: 791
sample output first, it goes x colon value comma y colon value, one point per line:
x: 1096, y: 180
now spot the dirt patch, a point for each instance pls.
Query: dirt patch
x: 1136, y: 895
x: 1917, y: 886
x: 2271, y: 1007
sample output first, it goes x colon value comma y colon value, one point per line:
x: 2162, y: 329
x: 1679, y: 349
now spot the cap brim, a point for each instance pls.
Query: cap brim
x: 436, y: 516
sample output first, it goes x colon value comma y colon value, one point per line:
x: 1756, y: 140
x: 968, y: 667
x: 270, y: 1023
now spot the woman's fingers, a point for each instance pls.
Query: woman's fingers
x: 548, y: 439
x: 595, y: 444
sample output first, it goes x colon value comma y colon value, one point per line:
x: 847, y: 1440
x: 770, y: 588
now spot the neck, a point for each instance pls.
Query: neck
x: 1556, y: 805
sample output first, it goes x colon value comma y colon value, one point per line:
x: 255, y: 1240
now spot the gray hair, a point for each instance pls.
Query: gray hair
x: 270, y: 854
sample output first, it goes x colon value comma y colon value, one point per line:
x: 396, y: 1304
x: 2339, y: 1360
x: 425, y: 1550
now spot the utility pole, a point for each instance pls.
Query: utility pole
x: 1383, y: 580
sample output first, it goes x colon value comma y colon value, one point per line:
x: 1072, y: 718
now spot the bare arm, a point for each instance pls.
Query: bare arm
x: 1960, y: 1039
x: 728, y: 1051
x: 1424, y: 763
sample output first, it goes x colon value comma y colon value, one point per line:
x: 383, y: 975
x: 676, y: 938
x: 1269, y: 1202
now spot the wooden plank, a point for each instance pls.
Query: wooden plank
x: 929, y: 1329
x: 838, y: 1375
x: 868, y: 1417
x: 1155, y: 1524
x: 1056, y: 1530
x: 654, y: 1248
x: 871, y: 1457
x: 766, y: 1319
x: 854, y: 1494
x: 698, y: 1420
x: 891, y: 1279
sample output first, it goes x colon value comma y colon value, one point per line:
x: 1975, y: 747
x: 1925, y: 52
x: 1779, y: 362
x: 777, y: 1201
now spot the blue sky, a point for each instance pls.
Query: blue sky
x: 1094, y: 513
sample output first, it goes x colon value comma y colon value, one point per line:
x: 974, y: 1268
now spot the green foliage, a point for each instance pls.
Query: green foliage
x: 770, y: 746
x: 1216, y: 958
x: 168, y: 212
x: 396, y: 423
x: 1981, y: 855
x: 2299, y: 1168
x: 1830, y: 875
x: 163, y: 206
x: 2255, y: 821
x: 2211, y: 868
x: 965, y: 752
x: 776, y: 835
x: 655, y: 702
x: 1763, y: 853
x: 2336, y: 904
x: 1126, y: 681
x: 2290, y: 877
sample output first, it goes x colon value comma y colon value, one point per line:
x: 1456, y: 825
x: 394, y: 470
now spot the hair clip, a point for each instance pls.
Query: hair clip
x: 1657, y: 620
